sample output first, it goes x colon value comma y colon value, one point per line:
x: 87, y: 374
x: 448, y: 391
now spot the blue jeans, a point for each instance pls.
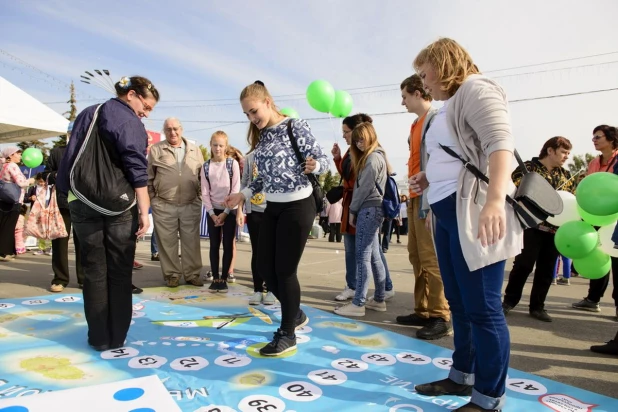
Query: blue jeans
x: 387, y: 227
x: 615, y: 235
x: 566, y: 267
x: 349, y: 242
x: 154, y: 248
x: 368, y: 256
x: 482, y: 341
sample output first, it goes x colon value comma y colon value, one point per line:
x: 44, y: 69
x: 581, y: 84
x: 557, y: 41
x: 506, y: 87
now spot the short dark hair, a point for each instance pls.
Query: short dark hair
x: 39, y: 176
x: 355, y: 120
x: 610, y: 132
x: 413, y: 84
x: 555, y: 143
x: 140, y: 85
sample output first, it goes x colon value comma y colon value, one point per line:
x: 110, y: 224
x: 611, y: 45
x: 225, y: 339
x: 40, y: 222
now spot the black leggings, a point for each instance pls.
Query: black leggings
x: 254, y: 221
x: 9, y: 214
x: 283, y: 234
x: 228, y: 230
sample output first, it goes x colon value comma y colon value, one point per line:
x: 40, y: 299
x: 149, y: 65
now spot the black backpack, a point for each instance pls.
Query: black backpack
x: 97, y: 177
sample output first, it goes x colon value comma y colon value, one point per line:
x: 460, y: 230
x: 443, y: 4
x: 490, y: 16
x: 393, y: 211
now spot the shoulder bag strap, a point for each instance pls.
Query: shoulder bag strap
x: 301, y: 160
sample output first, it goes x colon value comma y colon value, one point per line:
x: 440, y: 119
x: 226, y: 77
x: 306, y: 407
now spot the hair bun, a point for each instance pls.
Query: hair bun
x: 261, y: 83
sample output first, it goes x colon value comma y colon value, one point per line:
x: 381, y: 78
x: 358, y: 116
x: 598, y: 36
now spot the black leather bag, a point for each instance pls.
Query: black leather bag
x: 335, y: 194
x: 318, y: 192
x: 535, y: 199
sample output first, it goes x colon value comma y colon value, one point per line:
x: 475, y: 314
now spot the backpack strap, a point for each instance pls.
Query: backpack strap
x: 229, y: 165
x: 206, y: 168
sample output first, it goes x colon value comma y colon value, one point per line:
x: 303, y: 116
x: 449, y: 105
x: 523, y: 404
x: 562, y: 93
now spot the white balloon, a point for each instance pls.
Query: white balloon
x: 569, y: 210
x: 605, y: 240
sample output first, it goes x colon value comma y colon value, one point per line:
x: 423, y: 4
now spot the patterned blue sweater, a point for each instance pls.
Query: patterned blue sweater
x: 280, y: 174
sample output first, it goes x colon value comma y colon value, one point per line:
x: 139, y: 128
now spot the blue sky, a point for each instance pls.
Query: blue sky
x: 206, y: 50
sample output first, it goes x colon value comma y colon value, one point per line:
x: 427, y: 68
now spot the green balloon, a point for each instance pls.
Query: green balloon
x: 32, y: 157
x: 593, y: 266
x: 342, y: 105
x: 597, y: 194
x: 597, y: 220
x: 576, y: 239
x: 321, y: 95
x: 289, y: 112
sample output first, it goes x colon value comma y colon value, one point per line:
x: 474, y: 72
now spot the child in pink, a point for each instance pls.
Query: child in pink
x: 20, y: 246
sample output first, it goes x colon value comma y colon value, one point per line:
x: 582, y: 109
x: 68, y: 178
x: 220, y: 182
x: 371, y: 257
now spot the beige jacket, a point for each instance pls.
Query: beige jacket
x: 171, y: 182
x: 478, y: 115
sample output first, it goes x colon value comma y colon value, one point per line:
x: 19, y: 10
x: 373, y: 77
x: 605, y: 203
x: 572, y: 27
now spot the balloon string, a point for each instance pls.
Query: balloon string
x: 332, y: 127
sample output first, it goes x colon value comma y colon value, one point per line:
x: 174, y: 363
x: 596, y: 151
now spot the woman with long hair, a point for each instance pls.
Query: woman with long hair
x: 107, y: 238
x: 366, y: 214
x: 290, y: 204
x: 475, y: 231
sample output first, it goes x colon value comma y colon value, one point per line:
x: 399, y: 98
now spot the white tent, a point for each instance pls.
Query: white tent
x: 23, y: 118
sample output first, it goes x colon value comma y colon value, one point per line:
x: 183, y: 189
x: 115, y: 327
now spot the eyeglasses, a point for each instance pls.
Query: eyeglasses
x: 597, y: 137
x: 171, y: 129
x: 345, y: 132
x: 147, y: 107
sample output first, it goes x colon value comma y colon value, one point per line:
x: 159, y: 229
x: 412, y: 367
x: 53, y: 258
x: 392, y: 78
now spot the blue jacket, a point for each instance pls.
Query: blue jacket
x: 118, y: 123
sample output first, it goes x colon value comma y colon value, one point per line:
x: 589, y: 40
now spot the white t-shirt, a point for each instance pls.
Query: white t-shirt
x: 403, y: 210
x: 442, y: 169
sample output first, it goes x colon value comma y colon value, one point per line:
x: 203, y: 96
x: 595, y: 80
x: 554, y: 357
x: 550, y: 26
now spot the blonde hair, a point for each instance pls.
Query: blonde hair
x: 451, y: 62
x: 257, y: 91
x: 367, y: 133
x: 220, y: 133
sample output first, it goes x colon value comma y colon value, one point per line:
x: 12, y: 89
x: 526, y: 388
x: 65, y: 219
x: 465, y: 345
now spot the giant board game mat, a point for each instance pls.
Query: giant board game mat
x: 203, y: 347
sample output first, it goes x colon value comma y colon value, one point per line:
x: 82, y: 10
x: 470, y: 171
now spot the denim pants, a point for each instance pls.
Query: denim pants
x: 566, y: 267
x: 368, y: 257
x: 482, y: 341
x: 107, y: 246
x: 349, y: 242
x: 154, y: 248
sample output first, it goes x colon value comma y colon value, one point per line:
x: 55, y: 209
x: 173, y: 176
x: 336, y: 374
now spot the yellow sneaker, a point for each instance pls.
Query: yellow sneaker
x: 56, y: 288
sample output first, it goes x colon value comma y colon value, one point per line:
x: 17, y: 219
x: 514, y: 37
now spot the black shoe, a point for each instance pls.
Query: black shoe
x: 436, y: 328
x: 99, y: 348
x: 610, y: 348
x: 412, y: 320
x: 444, y: 387
x: 155, y: 257
x: 136, y: 290
x: 280, y: 344
x: 214, y: 286
x: 301, y: 319
x: 471, y: 407
x: 222, y: 286
x: 384, y: 250
x: 541, y: 314
x: 80, y: 286
x: 506, y: 308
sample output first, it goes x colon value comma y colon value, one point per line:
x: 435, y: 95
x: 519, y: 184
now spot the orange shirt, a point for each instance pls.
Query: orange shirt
x: 414, y: 162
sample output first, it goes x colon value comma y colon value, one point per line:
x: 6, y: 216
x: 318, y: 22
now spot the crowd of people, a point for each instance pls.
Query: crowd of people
x: 461, y: 231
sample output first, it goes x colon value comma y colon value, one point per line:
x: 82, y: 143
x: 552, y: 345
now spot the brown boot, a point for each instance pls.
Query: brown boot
x: 173, y: 282
x: 195, y: 281
x: 444, y: 387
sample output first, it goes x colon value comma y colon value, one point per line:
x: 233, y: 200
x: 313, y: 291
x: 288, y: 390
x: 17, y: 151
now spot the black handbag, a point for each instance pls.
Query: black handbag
x: 335, y: 194
x: 9, y: 192
x: 535, y: 199
x: 318, y: 193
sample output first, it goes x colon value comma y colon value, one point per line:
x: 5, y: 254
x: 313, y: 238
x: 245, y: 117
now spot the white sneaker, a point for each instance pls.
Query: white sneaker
x: 350, y: 309
x: 256, y: 299
x: 269, y: 299
x: 346, y: 294
x: 389, y: 294
x: 377, y: 306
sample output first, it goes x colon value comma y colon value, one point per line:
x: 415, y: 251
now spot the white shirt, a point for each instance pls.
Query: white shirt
x: 442, y: 169
x: 403, y: 210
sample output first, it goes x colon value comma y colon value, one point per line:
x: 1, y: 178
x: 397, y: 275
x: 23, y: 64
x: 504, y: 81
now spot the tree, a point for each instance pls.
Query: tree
x: 205, y: 152
x: 329, y: 180
x: 36, y: 144
x: 71, y: 115
x: 580, y: 163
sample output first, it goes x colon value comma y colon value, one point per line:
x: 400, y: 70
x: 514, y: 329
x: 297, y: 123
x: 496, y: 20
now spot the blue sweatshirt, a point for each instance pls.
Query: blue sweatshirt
x: 119, y: 124
x: 280, y: 176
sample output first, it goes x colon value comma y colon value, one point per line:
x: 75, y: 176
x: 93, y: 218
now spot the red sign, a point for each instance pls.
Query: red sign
x: 153, y: 137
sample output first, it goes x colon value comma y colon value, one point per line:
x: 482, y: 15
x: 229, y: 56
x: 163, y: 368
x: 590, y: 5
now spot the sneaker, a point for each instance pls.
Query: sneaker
x: 231, y: 278
x: 269, y: 299
x: 173, y: 282
x: 506, y: 308
x: 389, y: 294
x: 38, y: 253
x: 436, y: 328
x: 588, y: 305
x: 155, y: 257
x: 564, y: 282
x: 610, y: 348
x: 213, y: 288
x: 280, y: 344
x: 7, y: 258
x: 222, y: 286
x: 554, y: 281
x: 136, y: 290
x: 137, y: 265
x: 472, y: 407
x: 412, y: 320
x: 195, y: 281
x: 208, y: 276
x: 444, y: 387
x: 345, y: 295
x: 301, y: 320
x: 48, y: 252
x: 398, y: 241
x: 541, y: 314
x: 56, y: 288
x: 377, y: 306
x: 256, y: 299
x: 350, y: 309
x: 384, y: 250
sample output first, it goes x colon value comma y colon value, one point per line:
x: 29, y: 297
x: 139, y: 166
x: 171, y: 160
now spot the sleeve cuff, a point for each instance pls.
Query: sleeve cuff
x: 137, y: 185
x: 247, y: 193
x: 226, y: 211
x: 211, y: 212
x: 317, y: 168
